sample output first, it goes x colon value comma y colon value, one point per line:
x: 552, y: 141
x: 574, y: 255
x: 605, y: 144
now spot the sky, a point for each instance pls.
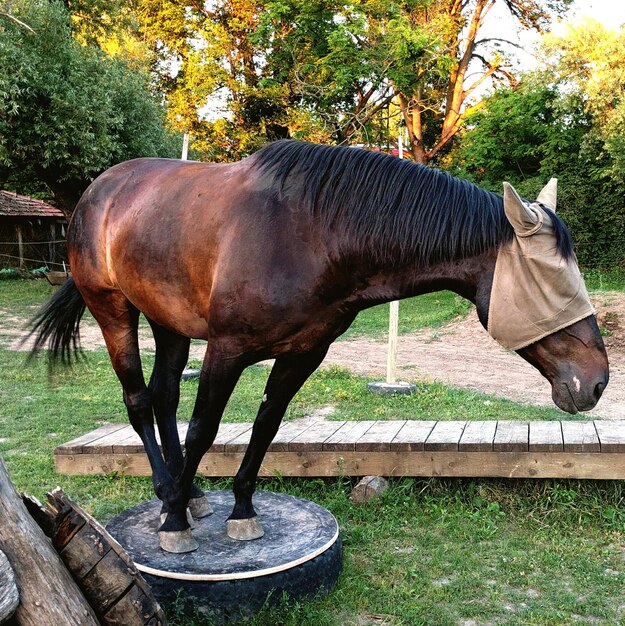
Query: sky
x: 611, y: 13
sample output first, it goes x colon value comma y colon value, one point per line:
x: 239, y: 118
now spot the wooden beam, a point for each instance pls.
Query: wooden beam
x: 20, y: 244
x: 389, y: 448
x: 588, y: 465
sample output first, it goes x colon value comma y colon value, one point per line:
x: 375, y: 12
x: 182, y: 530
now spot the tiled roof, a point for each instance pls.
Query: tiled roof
x: 14, y: 205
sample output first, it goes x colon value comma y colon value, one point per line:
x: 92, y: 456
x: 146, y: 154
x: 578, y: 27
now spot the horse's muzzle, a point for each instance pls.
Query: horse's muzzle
x: 573, y: 396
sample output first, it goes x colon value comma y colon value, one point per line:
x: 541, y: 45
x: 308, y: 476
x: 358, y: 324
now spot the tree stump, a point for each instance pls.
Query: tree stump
x: 48, y: 593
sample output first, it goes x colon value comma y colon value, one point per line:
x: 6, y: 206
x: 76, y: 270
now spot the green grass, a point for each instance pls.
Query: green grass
x: 429, y: 552
x: 602, y: 280
x: 431, y: 310
x: 38, y: 413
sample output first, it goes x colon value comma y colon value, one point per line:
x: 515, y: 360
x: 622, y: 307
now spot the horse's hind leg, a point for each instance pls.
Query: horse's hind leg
x: 172, y: 353
x: 118, y: 320
x: 287, y: 376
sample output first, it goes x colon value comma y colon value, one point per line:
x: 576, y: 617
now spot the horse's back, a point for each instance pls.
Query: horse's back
x: 180, y: 239
x: 150, y: 228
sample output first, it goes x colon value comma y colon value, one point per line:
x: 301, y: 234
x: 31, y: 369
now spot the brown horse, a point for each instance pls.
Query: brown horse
x: 273, y: 257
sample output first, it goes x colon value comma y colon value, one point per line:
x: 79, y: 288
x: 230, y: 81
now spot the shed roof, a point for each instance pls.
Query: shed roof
x: 14, y: 205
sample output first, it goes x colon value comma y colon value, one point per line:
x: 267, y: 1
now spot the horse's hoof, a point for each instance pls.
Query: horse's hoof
x: 190, y: 520
x: 244, y: 529
x: 177, y: 541
x: 200, y: 507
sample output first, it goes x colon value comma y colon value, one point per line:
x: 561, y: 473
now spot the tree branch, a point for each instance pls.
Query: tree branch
x: 17, y: 21
x: 506, y: 41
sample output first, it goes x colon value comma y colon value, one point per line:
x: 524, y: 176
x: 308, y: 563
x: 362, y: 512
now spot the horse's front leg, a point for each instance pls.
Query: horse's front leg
x: 218, y: 378
x: 287, y: 376
x: 172, y: 354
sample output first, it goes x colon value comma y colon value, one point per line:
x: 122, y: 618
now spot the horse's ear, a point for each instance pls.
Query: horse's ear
x: 524, y: 219
x: 549, y: 195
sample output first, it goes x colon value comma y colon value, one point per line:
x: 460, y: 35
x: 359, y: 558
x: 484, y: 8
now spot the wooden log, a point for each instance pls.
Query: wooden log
x: 102, y: 568
x: 48, y: 593
x: 9, y: 595
x: 368, y: 488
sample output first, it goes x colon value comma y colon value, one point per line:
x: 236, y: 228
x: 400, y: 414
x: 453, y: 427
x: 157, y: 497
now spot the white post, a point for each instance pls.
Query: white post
x: 393, y: 318
x: 391, y: 357
x: 185, y: 147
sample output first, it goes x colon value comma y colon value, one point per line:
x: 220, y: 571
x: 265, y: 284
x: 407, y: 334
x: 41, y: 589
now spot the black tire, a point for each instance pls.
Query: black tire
x: 231, y: 601
x: 225, y: 580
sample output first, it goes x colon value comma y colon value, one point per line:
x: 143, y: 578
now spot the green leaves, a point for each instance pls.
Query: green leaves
x: 565, y: 120
x: 68, y: 111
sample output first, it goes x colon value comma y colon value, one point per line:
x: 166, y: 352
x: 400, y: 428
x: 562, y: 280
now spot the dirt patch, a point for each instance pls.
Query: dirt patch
x: 461, y: 354
x: 464, y: 355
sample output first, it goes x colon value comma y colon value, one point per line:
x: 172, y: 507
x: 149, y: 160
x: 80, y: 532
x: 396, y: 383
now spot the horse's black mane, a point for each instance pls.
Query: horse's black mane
x: 393, y: 208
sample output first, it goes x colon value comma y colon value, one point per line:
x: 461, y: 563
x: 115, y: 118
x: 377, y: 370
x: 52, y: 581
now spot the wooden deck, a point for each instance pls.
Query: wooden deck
x: 511, y: 449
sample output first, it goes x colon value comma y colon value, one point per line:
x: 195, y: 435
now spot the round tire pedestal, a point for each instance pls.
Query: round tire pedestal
x: 300, y: 554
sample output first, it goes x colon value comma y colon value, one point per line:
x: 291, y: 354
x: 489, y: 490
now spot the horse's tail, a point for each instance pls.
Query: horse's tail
x: 57, y: 324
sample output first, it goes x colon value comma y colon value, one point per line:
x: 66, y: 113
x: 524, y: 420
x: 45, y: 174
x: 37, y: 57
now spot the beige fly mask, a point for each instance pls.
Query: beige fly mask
x: 535, y: 290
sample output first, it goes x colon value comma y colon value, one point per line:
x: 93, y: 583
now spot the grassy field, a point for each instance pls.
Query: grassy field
x: 429, y: 552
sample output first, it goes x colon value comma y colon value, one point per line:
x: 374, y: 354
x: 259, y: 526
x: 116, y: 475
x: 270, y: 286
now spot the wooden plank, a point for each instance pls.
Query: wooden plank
x: 445, y: 436
x: 312, y: 438
x: 511, y: 436
x: 104, y: 445
x: 604, y: 466
x: 75, y: 445
x: 379, y: 436
x: 412, y: 436
x: 286, y: 433
x: 346, y: 436
x: 86, y: 548
x: 228, y: 432
x: 478, y: 436
x: 611, y: 435
x: 85, y: 464
x: 445, y: 464
x: 107, y: 581
x: 131, y: 610
x: 239, y: 443
x: 580, y: 437
x: 128, y: 442
x: 545, y: 437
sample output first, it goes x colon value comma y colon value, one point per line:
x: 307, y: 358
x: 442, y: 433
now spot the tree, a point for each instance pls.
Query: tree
x: 67, y: 111
x: 564, y: 120
x: 437, y: 95
x: 324, y: 69
x: 519, y: 134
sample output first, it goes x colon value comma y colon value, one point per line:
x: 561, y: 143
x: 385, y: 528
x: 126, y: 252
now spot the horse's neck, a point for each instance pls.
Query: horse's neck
x: 465, y: 277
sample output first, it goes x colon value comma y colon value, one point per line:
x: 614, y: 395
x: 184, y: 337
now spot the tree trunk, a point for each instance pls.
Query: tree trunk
x: 48, y: 593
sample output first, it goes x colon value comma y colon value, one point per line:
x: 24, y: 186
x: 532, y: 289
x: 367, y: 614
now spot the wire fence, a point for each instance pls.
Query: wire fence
x: 51, y: 254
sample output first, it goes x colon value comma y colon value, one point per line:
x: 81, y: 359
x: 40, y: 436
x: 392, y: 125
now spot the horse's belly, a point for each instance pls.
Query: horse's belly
x: 172, y: 310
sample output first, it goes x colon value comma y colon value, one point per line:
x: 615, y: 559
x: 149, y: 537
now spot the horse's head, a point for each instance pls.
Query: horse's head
x: 574, y: 361
x: 538, y: 304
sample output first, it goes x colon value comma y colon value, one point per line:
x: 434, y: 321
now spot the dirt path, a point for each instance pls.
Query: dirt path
x: 461, y: 354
